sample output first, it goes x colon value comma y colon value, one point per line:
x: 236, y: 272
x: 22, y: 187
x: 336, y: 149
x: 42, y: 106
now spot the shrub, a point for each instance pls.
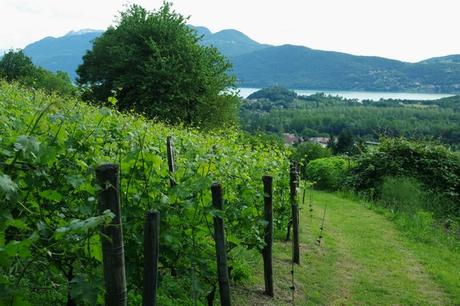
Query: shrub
x: 327, y: 173
x: 435, y: 166
x: 306, y: 152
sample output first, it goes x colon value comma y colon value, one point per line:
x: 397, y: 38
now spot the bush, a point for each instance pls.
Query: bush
x: 305, y: 152
x: 434, y: 166
x: 328, y: 173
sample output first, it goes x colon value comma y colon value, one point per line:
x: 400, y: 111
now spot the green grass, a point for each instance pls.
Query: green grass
x: 364, y: 258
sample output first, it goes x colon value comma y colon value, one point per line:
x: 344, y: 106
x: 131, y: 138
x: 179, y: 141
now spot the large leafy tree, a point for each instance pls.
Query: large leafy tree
x: 16, y: 66
x: 154, y: 64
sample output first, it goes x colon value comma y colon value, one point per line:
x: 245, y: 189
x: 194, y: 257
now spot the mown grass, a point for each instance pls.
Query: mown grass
x: 437, y: 250
x: 364, y: 258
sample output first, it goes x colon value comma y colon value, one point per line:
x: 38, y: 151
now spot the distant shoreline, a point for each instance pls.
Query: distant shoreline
x: 360, y: 95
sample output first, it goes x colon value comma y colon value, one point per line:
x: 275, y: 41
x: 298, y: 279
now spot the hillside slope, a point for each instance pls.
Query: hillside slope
x: 363, y: 259
x: 304, y: 68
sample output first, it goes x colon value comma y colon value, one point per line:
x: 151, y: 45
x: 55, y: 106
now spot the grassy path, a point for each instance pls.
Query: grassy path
x: 362, y: 260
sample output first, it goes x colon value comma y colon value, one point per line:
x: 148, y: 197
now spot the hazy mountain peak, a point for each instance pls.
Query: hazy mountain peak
x: 449, y: 59
x: 83, y: 32
x: 232, y: 42
x: 201, y: 31
x: 232, y: 34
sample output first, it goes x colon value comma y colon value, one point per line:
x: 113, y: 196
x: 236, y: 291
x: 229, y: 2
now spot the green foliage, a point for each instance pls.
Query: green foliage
x: 318, y: 114
x: 345, y: 143
x: 155, y: 64
x: 435, y: 166
x: 305, y: 152
x: 327, y: 173
x: 49, y: 220
x: 58, y: 82
x: 16, y: 66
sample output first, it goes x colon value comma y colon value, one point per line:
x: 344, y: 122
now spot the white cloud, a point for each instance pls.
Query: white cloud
x: 407, y: 30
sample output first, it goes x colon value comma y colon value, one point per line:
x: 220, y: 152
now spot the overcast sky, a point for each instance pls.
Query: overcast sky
x: 409, y: 30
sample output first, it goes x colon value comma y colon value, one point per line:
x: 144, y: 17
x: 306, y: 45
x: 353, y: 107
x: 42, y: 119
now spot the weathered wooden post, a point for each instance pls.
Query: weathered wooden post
x: 112, y: 236
x: 297, y: 170
x: 267, y: 251
x: 221, y: 253
x: 171, y: 161
x: 151, y: 249
x: 172, y: 170
x: 288, y: 234
x: 294, y: 214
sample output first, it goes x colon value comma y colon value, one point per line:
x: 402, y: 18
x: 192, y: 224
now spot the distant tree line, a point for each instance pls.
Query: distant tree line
x: 321, y: 115
x: 16, y: 66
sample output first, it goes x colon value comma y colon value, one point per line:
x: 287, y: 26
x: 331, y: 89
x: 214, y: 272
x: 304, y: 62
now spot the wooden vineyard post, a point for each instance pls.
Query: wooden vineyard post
x: 294, y: 214
x: 221, y: 252
x: 112, y: 236
x: 151, y: 249
x: 267, y: 251
x: 297, y: 171
x: 171, y: 161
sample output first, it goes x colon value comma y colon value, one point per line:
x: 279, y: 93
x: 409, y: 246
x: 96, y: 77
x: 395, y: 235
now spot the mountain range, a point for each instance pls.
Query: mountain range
x: 63, y: 53
x: 299, y: 67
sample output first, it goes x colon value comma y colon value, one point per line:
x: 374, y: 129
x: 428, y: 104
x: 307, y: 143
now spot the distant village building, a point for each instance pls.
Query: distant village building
x: 322, y: 141
x: 372, y: 143
x: 290, y: 139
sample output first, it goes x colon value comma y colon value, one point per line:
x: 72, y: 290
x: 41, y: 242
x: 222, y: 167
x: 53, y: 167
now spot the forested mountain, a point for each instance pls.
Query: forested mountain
x: 230, y: 42
x: 63, y: 53
x: 443, y: 59
x: 260, y: 65
x: 305, y: 68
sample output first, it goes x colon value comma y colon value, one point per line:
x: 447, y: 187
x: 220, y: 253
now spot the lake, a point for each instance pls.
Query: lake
x: 361, y: 95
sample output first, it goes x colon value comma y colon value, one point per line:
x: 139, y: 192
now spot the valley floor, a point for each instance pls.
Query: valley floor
x: 363, y: 259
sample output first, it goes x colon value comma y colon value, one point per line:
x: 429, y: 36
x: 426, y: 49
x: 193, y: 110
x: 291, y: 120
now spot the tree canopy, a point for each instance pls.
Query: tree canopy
x: 274, y: 93
x: 16, y: 66
x: 153, y: 63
